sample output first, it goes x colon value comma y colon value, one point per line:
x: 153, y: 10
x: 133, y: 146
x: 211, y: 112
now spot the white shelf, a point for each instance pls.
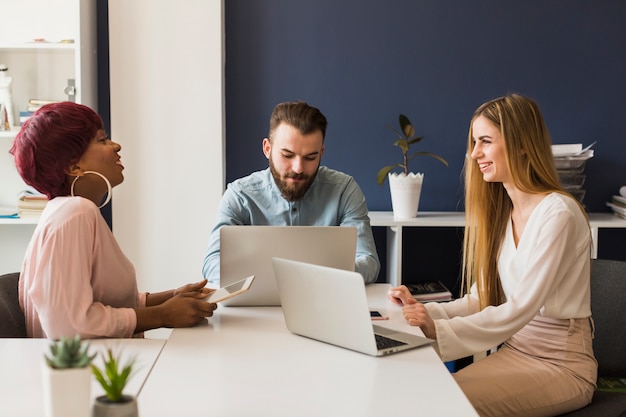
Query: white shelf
x: 41, y: 70
x: 9, y: 134
x: 38, y: 46
x: 423, y: 219
x: 18, y: 222
x: 457, y: 219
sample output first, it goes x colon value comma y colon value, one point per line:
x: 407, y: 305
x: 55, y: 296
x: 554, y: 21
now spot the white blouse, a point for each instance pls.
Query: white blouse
x: 547, y: 274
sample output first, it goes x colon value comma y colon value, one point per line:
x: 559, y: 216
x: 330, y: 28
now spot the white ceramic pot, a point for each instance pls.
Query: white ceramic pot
x: 103, y: 407
x: 405, y: 194
x: 67, y: 392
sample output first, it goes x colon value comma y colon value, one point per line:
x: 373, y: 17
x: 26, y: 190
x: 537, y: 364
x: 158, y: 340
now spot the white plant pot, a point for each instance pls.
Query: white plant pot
x: 103, y: 407
x: 67, y: 392
x: 405, y: 194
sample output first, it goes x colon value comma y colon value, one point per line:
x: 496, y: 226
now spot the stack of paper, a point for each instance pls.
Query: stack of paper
x: 618, y: 204
x: 31, y: 205
x: 570, y: 160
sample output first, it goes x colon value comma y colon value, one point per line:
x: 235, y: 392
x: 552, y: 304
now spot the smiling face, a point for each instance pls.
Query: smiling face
x: 294, y: 159
x: 488, y: 151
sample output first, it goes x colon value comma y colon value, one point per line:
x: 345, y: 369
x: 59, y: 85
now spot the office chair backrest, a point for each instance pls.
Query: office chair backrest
x: 12, y: 323
x: 608, y: 292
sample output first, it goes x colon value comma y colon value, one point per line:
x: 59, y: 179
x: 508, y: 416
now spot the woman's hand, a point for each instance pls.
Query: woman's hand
x: 197, y: 287
x: 413, y: 311
x: 400, y: 296
x: 186, y: 309
x: 417, y: 315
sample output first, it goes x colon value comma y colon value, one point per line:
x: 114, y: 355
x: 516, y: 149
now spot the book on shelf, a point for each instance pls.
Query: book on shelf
x: 31, y: 204
x: 618, y: 200
x: 430, y: 291
x: 40, y: 102
x: 35, y: 104
x: 618, y: 210
x: 29, y: 214
x: 25, y: 115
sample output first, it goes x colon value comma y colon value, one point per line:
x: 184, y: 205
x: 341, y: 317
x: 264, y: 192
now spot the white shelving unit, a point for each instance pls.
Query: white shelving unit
x: 456, y: 219
x: 44, y: 44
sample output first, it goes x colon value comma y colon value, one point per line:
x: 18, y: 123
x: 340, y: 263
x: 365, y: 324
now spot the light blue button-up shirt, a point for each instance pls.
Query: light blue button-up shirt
x: 334, y: 199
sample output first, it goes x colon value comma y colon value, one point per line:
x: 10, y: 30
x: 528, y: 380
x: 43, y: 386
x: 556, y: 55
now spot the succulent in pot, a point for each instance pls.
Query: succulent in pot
x: 69, y: 353
x: 113, y: 377
x: 67, y: 378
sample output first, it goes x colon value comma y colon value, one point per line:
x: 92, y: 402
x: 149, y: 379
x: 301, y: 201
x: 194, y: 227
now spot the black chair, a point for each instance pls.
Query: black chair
x: 12, y: 322
x: 608, y: 289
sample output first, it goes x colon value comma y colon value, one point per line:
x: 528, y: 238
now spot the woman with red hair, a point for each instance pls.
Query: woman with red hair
x: 75, y: 279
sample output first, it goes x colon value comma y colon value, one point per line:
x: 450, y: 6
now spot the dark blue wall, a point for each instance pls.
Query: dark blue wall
x: 362, y: 62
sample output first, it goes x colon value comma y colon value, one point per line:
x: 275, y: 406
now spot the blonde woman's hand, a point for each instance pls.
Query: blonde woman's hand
x: 417, y: 315
x: 400, y: 296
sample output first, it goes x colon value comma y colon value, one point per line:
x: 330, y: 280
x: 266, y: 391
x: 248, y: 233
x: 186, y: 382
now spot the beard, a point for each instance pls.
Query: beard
x: 289, y: 190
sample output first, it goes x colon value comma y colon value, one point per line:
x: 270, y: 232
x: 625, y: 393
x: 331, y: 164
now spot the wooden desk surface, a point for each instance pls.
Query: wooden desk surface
x: 244, y: 362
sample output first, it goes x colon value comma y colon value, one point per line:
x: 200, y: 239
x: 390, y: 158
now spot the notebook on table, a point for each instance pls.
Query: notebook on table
x: 248, y: 250
x: 330, y: 305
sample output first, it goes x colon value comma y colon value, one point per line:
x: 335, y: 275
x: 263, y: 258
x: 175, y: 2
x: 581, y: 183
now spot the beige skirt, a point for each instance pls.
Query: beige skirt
x: 546, y: 369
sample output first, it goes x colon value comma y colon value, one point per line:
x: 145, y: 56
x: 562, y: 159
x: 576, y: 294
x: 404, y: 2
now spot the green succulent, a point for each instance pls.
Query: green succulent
x: 69, y: 353
x: 114, y: 376
x: 406, y: 138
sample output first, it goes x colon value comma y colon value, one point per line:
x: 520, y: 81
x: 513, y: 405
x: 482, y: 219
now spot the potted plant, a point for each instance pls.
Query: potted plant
x: 406, y: 186
x: 66, y: 378
x: 113, y: 377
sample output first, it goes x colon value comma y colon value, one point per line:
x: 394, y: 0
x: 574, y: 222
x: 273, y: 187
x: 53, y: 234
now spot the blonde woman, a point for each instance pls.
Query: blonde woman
x: 526, y: 270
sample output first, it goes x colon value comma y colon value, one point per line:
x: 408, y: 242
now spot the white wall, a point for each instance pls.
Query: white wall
x: 166, y: 67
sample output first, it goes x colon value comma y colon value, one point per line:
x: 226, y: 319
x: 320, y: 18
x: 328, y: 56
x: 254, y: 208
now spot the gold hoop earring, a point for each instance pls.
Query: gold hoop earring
x: 109, y: 188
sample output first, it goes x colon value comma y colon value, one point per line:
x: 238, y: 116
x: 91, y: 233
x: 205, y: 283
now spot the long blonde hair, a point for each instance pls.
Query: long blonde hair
x: 528, y: 154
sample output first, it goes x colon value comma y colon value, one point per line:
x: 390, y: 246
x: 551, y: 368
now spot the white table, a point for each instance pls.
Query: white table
x: 244, y: 362
x: 21, y: 361
x: 457, y: 219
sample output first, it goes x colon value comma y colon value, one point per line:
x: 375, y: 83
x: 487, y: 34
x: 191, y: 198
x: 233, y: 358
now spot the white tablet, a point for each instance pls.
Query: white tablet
x: 231, y: 290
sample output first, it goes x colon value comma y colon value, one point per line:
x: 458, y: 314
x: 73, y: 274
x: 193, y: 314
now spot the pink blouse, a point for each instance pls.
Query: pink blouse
x: 75, y: 278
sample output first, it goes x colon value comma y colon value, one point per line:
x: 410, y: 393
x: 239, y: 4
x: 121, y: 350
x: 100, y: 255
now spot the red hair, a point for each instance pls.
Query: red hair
x: 50, y: 141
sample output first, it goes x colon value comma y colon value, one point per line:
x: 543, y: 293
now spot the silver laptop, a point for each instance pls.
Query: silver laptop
x: 248, y: 250
x: 330, y: 305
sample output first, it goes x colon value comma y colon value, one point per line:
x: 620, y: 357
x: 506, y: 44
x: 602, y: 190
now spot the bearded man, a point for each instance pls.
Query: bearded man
x: 295, y: 190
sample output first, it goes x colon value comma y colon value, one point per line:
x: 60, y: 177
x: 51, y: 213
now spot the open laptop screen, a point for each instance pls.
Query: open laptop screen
x: 248, y: 250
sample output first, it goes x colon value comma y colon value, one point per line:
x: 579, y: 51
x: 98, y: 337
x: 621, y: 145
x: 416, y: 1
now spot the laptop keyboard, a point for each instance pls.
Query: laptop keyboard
x: 383, y: 342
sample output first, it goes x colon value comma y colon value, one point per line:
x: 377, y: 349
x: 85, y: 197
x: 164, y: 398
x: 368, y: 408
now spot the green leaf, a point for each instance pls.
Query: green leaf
x: 403, y: 145
x: 406, y: 127
x: 404, y: 141
x: 415, y: 140
x: 114, y: 376
x: 382, y: 174
x: 69, y: 353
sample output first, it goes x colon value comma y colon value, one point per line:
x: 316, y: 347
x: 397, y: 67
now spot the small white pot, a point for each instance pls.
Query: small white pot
x: 67, y: 392
x: 405, y: 194
x: 103, y: 407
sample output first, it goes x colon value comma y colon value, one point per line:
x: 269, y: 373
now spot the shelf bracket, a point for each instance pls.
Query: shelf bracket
x: 70, y: 90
